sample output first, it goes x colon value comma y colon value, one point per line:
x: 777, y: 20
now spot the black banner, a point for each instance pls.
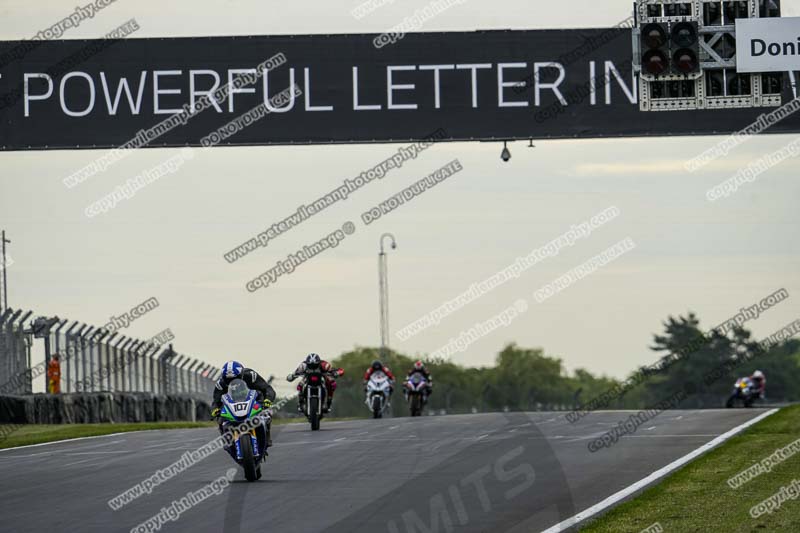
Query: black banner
x: 480, y: 85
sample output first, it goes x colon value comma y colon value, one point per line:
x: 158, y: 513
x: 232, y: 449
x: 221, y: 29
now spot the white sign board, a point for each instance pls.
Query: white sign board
x: 768, y: 44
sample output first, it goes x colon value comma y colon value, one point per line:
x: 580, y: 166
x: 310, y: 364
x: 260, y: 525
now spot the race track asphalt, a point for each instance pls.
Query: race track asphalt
x: 515, y: 472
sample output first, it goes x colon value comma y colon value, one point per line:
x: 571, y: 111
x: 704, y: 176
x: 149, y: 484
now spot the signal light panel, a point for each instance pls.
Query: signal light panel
x: 685, y: 54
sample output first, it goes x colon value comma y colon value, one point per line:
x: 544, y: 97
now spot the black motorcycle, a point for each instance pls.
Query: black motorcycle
x: 314, y: 395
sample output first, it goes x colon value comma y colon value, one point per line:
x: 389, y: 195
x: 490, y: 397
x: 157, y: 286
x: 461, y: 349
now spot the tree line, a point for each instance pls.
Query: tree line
x: 527, y: 379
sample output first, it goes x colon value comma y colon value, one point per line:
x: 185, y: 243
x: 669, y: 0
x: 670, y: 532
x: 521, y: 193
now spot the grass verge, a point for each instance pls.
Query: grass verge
x: 21, y: 435
x: 698, y: 497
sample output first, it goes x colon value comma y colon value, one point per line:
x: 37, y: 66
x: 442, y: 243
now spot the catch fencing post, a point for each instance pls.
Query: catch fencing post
x: 72, y: 349
x: 62, y: 357
x: 13, y: 368
x: 163, y: 370
x: 84, y: 339
x: 116, y: 365
x: 26, y: 354
x: 79, y: 363
x: 3, y: 378
x: 131, y: 364
x: 153, y: 380
x: 149, y: 362
x: 97, y: 377
x: 178, y: 374
x: 109, y: 364
x: 122, y: 362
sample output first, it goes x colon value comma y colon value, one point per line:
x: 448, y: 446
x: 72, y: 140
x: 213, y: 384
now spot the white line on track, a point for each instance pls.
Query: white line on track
x: 75, y: 463
x: 655, y: 476
x: 97, y: 453
x: 659, y: 436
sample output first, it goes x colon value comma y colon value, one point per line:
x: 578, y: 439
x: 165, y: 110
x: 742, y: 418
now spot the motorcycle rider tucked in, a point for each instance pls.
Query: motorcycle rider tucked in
x: 377, y: 366
x: 419, y: 368
x: 314, y: 362
x: 759, y: 382
x: 235, y: 370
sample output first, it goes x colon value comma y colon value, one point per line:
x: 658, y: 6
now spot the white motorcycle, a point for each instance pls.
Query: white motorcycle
x: 378, y: 393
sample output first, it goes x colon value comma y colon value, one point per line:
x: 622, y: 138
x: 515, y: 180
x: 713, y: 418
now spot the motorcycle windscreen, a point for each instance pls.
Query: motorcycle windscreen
x: 239, y: 398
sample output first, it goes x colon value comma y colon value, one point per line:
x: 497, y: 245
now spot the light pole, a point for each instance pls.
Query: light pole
x: 5, y: 267
x: 383, y: 288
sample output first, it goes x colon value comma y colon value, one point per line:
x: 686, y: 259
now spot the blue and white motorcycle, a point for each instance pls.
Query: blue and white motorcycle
x: 241, y: 406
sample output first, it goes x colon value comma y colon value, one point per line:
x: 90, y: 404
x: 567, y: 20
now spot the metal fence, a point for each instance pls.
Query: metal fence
x: 15, y: 353
x: 93, y: 359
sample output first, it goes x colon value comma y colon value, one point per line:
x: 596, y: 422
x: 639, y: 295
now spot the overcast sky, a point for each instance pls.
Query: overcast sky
x: 168, y: 241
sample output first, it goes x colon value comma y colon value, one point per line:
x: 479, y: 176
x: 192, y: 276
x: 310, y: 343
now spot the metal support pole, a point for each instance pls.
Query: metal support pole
x: 5, y: 269
x: 153, y: 378
x: 62, y: 357
x: 72, y: 349
x: 90, y: 381
x: 164, y: 386
x: 172, y: 378
x: 142, y: 366
x: 178, y: 374
x: 149, y: 362
x: 85, y: 339
x: 122, y: 362
x: 25, y: 352
x: 115, y: 368
x: 131, y: 364
x: 109, y: 366
x: 383, y: 292
x: 97, y: 376
x: 80, y: 362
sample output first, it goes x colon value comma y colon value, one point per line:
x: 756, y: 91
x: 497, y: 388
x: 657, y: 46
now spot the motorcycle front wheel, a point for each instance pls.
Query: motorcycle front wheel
x: 416, y: 405
x: 248, y: 459
x: 313, y: 413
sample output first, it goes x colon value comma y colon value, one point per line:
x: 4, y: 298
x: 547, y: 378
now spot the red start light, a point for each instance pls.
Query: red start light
x: 314, y: 379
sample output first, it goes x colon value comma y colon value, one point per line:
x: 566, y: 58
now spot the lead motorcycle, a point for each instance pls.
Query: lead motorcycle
x: 744, y: 392
x: 378, y: 388
x: 416, y: 391
x: 242, y: 406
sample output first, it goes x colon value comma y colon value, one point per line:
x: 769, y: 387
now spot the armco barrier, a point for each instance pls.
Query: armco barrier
x: 99, y: 407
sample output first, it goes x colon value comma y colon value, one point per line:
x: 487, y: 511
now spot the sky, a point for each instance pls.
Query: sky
x: 167, y: 242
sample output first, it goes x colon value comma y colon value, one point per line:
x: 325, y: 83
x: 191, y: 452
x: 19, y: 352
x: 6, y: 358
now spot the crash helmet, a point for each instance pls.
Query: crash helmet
x: 232, y: 369
x: 313, y: 361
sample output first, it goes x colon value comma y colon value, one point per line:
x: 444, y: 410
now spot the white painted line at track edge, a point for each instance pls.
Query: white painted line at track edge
x: 658, y: 474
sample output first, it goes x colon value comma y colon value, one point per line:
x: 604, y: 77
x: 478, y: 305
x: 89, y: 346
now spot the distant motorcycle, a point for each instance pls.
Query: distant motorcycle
x: 315, y: 394
x: 744, y: 392
x: 416, y: 393
x: 249, y: 449
x: 378, y: 388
